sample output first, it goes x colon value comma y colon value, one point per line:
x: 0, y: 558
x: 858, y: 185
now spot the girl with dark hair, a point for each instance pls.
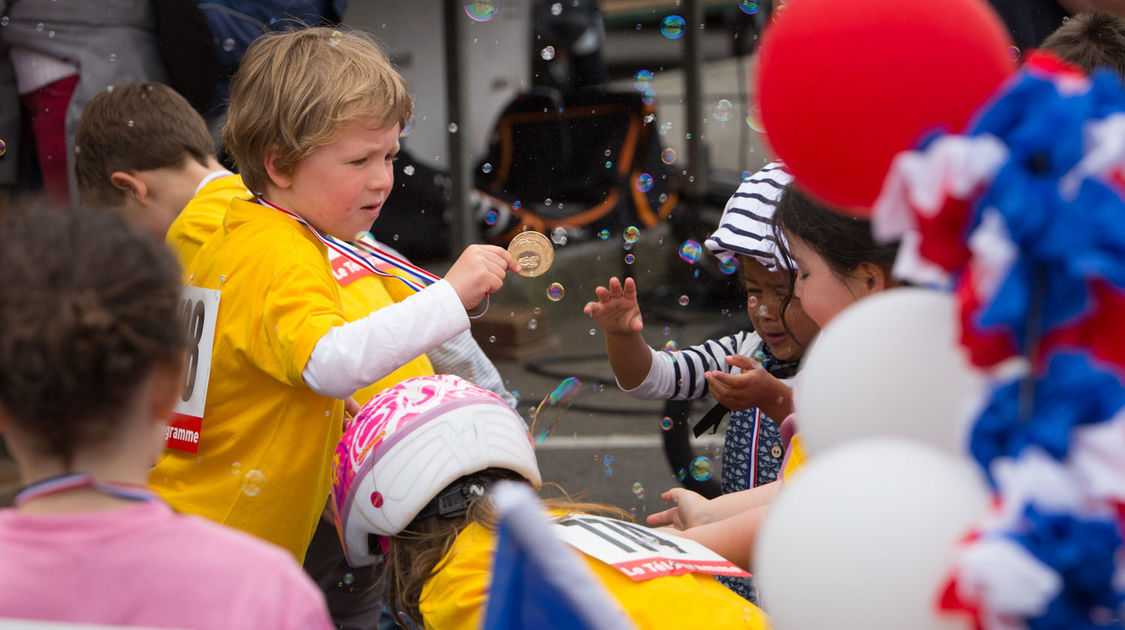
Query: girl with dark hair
x: 91, y: 364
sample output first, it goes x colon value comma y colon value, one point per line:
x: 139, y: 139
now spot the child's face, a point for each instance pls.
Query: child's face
x: 822, y: 291
x: 340, y: 187
x: 765, y: 291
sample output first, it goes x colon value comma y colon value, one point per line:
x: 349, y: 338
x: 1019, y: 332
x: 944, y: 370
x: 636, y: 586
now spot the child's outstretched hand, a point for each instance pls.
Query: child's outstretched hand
x: 616, y: 310
x: 479, y: 271
x: 754, y: 387
x: 689, y: 509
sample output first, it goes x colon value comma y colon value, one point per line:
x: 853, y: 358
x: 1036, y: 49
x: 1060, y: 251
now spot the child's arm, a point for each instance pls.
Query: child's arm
x: 732, y: 538
x: 358, y: 353
x: 619, y: 315
x: 691, y: 510
x: 753, y: 387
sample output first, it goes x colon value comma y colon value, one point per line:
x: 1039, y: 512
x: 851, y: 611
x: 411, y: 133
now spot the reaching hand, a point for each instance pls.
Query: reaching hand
x: 480, y: 271
x: 616, y: 310
x: 754, y: 387
x: 690, y: 509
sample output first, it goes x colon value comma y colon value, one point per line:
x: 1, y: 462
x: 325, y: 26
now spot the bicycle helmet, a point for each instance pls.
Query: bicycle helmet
x: 408, y: 444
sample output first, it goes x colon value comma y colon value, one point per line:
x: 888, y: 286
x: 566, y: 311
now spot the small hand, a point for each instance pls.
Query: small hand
x: 617, y: 310
x: 690, y: 509
x: 753, y: 387
x: 479, y: 271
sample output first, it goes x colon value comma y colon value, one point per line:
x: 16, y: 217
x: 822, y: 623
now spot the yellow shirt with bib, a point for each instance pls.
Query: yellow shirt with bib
x: 455, y: 598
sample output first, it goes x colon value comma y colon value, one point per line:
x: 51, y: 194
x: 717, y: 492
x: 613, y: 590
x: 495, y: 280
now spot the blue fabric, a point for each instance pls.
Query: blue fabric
x: 1081, y: 551
x: 1073, y: 392
x: 519, y: 597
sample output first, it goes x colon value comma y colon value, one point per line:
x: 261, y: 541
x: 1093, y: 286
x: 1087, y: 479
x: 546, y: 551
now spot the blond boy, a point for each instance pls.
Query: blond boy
x: 313, y: 125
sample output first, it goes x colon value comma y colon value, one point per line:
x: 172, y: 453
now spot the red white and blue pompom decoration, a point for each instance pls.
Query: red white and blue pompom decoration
x: 1023, y: 217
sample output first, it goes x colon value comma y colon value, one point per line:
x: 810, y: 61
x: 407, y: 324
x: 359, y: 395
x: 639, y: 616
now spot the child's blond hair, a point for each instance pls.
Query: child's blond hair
x: 297, y: 91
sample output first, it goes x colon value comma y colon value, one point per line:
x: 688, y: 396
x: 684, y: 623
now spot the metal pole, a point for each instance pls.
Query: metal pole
x: 463, y: 229
x: 697, y: 168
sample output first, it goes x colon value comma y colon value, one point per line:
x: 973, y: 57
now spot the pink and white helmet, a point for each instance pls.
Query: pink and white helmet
x: 411, y: 441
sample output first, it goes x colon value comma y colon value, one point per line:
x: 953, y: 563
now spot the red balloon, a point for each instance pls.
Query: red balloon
x: 843, y: 86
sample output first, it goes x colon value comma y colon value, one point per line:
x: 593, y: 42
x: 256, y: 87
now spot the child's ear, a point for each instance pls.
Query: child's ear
x: 130, y: 184
x: 167, y: 383
x: 280, y: 177
x: 874, y: 278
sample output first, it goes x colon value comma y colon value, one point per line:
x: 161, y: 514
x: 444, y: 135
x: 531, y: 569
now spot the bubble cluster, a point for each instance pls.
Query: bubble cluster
x: 673, y: 27
x: 728, y: 265
x: 684, y: 300
x: 644, y: 182
x: 253, y: 482
x: 555, y: 292
x: 723, y: 110
x: 482, y: 10
x: 691, y: 251
x: 701, y: 468
x: 665, y: 423
x: 547, y: 53
x: 603, y: 235
x: 668, y: 155
x: 631, y: 234
x: 642, y: 80
x: 750, y: 7
x: 629, y: 259
x: 558, y: 236
x: 638, y: 491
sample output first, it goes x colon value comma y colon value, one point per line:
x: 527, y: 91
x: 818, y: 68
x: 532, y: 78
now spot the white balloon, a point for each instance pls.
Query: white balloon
x: 889, y: 365
x: 863, y: 537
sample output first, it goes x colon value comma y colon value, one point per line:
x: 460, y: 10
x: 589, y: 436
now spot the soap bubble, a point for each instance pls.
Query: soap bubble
x: 482, y: 10
x: 561, y: 399
x: 555, y: 292
x: 631, y: 234
x: 644, y: 182
x: 253, y: 482
x: 668, y: 156
x: 723, y: 110
x: 728, y: 265
x: 701, y: 468
x: 673, y: 27
x: 547, y: 53
x: 691, y: 251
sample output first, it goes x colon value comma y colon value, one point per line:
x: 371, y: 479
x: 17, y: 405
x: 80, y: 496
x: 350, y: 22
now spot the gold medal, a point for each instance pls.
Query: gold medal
x: 533, y: 252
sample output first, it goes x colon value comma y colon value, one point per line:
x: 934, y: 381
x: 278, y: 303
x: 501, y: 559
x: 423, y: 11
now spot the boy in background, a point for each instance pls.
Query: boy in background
x: 1091, y: 41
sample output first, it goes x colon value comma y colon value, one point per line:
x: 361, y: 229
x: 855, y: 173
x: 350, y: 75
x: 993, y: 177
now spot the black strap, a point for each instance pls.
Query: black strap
x: 711, y: 420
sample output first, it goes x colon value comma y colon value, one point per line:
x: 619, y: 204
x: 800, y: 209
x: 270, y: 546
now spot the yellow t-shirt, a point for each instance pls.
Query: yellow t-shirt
x: 267, y: 439
x: 203, y: 216
x: 796, y: 457
x: 456, y: 597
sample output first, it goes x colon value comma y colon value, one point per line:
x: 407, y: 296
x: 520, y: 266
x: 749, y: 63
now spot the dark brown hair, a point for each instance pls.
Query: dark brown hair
x: 843, y: 242
x: 417, y: 551
x: 134, y: 127
x: 88, y: 307
x: 1091, y: 41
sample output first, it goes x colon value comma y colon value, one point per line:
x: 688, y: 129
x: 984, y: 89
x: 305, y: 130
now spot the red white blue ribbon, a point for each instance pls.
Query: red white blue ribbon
x: 72, y: 481
x: 367, y: 255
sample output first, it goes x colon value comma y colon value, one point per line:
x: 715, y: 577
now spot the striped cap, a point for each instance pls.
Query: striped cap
x: 746, y: 226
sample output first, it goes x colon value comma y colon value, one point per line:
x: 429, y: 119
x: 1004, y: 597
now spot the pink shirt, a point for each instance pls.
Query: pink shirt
x: 146, y: 565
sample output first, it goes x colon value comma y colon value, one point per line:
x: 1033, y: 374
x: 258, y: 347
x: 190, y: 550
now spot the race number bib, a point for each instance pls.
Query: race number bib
x: 639, y: 552
x: 199, y: 310
x: 344, y: 270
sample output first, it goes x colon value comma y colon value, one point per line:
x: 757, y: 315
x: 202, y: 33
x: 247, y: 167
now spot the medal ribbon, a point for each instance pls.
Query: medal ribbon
x: 363, y: 253
x: 72, y: 481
